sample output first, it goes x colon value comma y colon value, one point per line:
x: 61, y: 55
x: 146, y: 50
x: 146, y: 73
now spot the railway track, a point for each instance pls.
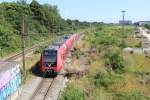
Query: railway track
x: 27, y: 51
x: 43, y: 89
x: 17, y: 56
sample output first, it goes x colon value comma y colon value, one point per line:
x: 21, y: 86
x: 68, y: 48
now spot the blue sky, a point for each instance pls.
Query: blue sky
x: 100, y: 10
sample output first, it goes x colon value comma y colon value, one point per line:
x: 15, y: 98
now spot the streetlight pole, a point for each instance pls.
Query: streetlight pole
x: 123, y: 21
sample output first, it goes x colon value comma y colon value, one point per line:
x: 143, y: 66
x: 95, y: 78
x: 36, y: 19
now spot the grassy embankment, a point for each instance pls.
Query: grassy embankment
x: 112, y: 75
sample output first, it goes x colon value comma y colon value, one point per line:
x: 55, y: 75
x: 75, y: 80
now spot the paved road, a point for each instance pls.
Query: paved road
x: 144, y: 32
x: 144, y: 35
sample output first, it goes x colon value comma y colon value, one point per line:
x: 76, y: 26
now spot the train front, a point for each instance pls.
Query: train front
x: 49, y: 61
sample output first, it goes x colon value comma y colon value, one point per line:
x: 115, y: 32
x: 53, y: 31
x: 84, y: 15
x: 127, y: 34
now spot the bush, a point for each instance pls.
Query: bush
x: 78, y: 52
x: 147, y: 26
x: 133, y: 95
x: 102, y: 80
x: 39, y: 49
x: 105, y: 80
x: 99, y: 28
x: 114, y: 60
x: 73, y: 93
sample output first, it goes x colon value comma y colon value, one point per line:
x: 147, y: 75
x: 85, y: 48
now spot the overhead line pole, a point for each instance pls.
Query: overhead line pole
x: 72, y: 26
x: 23, y: 48
x: 91, y: 26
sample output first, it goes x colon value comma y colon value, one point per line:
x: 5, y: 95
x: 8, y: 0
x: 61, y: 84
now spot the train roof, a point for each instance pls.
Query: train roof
x: 58, y: 42
x: 52, y: 47
x: 61, y: 40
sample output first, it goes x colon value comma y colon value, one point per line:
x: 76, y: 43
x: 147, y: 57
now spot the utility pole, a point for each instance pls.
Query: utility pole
x: 78, y: 26
x: 72, y: 26
x: 23, y: 34
x: 49, y: 27
x: 90, y: 26
x: 53, y: 27
x: 59, y: 29
x: 123, y: 21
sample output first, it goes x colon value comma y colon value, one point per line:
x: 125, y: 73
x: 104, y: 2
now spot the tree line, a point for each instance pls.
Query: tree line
x: 38, y: 19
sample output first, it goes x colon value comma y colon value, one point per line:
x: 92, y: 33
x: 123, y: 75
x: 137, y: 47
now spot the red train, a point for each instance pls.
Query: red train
x: 53, y: 57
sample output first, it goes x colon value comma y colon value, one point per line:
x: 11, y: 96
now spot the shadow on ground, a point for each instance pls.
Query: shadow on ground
x: 35, y: 69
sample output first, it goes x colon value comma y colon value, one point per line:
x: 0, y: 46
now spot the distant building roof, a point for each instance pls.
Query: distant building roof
x: 143, y: 22
x: 126, y: 22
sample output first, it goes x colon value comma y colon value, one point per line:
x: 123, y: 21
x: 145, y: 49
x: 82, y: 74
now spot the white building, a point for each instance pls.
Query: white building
x: 143, y: 22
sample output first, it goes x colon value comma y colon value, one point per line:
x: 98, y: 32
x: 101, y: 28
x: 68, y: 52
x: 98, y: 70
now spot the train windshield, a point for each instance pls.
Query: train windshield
x: 50, y: 56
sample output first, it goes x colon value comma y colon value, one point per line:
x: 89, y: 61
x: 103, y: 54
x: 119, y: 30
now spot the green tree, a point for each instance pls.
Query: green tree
x: 147, y: 26
x: 36, y: 8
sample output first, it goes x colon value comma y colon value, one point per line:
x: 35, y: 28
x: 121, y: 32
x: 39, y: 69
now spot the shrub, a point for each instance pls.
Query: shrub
x: 99, y: 28
x: 147, y: 26
x: 114, y: 60
x: 73, y: 93
x: 39, y: 49
x: 102, y: 80
x: 78, y: 52
x: 105, y: 80
x: 133, y: 95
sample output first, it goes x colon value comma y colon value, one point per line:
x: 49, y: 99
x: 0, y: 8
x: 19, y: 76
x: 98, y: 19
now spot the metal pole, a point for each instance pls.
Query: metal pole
x: 123, y: 21
x: 23, y: 49
x: 72, y: 26
x: 90, y: 26
x: 59, y: 28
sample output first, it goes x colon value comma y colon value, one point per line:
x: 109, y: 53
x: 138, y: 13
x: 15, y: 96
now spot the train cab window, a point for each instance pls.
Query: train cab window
x: 66, y: 37
x: 50, y: 57
x: 50, y: 54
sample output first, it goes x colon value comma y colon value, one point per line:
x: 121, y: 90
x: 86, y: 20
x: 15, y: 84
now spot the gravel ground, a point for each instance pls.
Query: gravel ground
x: 42, y: 91
x: 56, y: 88
x: 29, y: 88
